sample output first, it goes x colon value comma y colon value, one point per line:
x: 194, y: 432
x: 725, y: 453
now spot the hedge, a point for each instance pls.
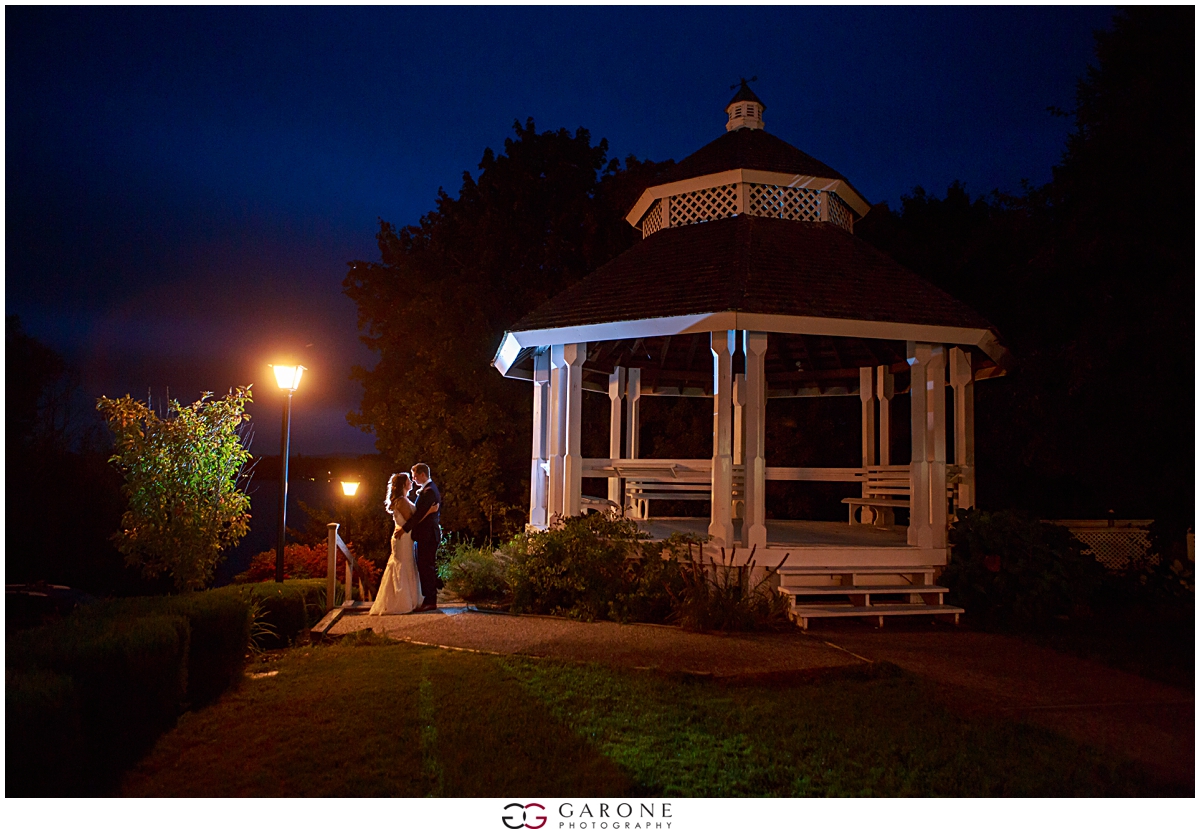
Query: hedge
x: 87, y: 695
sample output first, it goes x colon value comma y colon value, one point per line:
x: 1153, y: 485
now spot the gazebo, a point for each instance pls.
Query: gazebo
x: 748, y: 258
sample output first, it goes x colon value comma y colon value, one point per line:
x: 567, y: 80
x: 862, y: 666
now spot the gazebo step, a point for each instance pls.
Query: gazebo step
x: 873, y: 569
x: 803, y: 613
x: 846, y: 590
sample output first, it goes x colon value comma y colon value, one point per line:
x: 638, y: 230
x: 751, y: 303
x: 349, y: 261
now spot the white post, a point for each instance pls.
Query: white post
x: 739, y: 439
x: 633, y: 408
x: 935, y: 443
x: 555, y: 504
x: 962, y: 378
x: 331, y: 571
x: 538, y: 515
x: 720, y: 525
x: 885, y: 390
x: 755, y: 345
x: 633, y: 412
x: 616, y: 383
x: 866, y: 395
x: 920, y: 533
x: 574, y: 354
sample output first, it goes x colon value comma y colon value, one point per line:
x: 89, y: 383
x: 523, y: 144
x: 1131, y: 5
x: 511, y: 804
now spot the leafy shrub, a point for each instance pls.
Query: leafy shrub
x: 574, y: 569
x: 289, y: 608
x: 301, y: 561
x: 1010, y: 569
x: 653, y: 580
x: 477, y: 574
x: 726, y: 596
x: 129, y: 677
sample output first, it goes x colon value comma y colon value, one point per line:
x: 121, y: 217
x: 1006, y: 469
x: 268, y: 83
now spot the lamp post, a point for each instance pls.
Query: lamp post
x: 288, y: 378
x: 349, y: 490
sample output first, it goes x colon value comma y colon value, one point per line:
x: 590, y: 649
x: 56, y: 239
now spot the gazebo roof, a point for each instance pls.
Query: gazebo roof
x: 749, y: 150
x: 753, y: 265
x: 756, y: 273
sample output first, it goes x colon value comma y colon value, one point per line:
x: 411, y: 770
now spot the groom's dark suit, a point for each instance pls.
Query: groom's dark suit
x: 426, y: 532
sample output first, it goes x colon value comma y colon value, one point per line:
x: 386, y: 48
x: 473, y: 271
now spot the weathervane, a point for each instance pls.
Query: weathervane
x: 744, y: 82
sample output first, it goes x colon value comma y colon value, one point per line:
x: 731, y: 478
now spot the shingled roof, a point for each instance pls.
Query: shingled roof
x: 749, y: 150
x: 755, y: 265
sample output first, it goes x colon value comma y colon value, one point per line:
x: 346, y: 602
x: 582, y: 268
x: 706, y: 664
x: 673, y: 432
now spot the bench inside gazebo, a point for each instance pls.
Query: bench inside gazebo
x: 750, y: 285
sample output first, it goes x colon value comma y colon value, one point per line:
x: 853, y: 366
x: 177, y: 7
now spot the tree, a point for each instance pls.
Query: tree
x: 181, y: 478
x: 540, y: 216
x: 1090, y: 283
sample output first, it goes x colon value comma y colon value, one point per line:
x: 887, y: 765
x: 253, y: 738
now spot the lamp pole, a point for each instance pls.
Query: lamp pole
x: 285, y: 440
x: 288, y: 378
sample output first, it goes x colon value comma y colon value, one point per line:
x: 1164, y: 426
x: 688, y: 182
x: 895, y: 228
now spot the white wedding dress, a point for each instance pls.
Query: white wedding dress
x: 399, y: 589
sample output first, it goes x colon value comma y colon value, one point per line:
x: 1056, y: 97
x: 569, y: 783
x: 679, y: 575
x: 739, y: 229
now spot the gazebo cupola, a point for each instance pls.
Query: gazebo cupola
x: 749, y: 285
x: 745, y: 111
x: 748, y: 171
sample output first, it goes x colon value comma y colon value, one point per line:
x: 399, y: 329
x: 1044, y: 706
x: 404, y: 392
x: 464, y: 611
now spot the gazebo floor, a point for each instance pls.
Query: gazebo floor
x: 817, y: 544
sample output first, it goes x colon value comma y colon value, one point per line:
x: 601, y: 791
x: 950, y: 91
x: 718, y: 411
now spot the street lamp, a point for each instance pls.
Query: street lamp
x: 349, y: 488
x: 288, y: 378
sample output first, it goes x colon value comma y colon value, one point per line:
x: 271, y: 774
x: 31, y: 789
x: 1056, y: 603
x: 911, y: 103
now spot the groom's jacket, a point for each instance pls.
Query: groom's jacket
x: 426, y: 499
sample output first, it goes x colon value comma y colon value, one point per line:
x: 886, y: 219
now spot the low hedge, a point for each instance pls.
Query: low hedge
x: 126, y: 677
x: 86, y: 696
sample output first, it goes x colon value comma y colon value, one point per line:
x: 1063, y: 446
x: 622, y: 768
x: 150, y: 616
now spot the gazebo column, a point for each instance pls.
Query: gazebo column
x: 885, y: 390
x: 538, y: 514
x: 962, y: 378
x: 920, y: 531
x: 754, y: 343
x: 558, y: 431
x: 633, y: 409
x: 720, y: 525
x: 866, y: 395
x: 739, y: 438
x: 935, y: 444
x: 616, y: 384
x: 573, y: 355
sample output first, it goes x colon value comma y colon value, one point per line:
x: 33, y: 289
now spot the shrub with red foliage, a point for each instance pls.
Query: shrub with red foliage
x: 304, y: 562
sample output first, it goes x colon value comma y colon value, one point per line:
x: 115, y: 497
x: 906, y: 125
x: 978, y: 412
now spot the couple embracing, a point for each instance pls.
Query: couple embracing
x: 410, y: 581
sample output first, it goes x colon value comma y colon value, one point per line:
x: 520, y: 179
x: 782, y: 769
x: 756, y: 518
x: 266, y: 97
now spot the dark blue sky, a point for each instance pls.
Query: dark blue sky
x: 185, y: 186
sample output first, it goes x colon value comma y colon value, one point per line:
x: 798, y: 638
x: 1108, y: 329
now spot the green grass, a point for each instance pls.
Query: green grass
x: 368, y: 718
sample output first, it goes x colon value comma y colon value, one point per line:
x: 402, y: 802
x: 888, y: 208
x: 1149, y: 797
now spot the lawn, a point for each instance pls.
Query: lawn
x: 370, y: 717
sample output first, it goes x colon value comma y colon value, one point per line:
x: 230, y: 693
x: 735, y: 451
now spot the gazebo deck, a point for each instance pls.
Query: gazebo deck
x: 790, y: 533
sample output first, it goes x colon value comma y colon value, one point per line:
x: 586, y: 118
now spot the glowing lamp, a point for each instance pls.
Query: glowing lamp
x: 349, y: 487
x: 288, y: 377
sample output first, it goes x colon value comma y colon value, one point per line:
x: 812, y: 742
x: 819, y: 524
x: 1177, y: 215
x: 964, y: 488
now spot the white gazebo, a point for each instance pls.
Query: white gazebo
x: 748, y: 258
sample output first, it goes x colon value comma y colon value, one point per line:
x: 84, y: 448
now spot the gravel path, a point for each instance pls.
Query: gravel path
x: 630, y: 646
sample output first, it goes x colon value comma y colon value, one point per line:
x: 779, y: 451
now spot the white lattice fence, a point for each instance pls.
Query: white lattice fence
x: 1114, y: 547
x: 653, y: 220
x: 839, y: 213
x: 795, y: 203
x: 704, y: 205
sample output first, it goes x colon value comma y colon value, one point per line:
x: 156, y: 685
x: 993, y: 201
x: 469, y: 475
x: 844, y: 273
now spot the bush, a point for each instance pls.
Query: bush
x: 1008, y: 569
x: 477, y: 574
x: 726, y: 597
x: 301, y: 561
x: 289, y: 608
x: 575, y: 569
x: 129, y: 678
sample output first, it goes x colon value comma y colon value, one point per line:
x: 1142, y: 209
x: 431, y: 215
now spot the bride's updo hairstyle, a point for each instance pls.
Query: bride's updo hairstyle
x: 397, y: 484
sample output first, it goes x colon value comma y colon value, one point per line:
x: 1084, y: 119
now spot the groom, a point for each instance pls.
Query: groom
x: 426, y: 533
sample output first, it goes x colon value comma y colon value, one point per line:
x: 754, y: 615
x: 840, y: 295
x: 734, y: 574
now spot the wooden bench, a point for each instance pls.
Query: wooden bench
x: 885, y: 488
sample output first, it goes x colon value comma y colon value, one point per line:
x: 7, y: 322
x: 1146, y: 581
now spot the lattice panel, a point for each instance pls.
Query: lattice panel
x: 795, y: 203
x: 840, y: 213
x: 1116, y: 546
x: 652, y: 222
x: 704, y: 205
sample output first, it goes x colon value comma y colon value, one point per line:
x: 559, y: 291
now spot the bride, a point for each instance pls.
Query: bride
x: 399, y: 590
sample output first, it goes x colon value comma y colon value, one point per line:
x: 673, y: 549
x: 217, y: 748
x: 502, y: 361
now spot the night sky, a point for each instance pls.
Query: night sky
x: 185, y: 186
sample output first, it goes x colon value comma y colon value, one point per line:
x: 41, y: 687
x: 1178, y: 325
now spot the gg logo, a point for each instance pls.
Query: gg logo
x: 510, y: 819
